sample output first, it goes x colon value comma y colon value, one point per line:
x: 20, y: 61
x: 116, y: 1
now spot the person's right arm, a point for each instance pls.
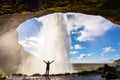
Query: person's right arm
x: 45, y: 61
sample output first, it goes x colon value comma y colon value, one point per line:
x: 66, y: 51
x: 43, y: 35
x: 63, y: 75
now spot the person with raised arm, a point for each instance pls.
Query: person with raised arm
x: 48, y: 66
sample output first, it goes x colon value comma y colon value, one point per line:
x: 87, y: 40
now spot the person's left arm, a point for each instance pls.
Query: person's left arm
x: 51, y: 61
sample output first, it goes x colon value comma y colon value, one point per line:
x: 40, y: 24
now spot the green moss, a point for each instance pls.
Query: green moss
x: 2, y: 77
x: 107, y: 8
x: 19, y: 74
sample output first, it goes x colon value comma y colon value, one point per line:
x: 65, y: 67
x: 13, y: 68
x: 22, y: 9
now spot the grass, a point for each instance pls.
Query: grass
x: 87, y: 67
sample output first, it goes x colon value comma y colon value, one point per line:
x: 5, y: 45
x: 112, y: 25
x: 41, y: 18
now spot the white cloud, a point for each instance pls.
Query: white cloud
x: 105, y: 60
x: 73, y: 32
x: 92, y: 27
x: 29, y: 42
x: 89, y: 54
x: 117, y: 55
x: 71, y: 47
x: 107, y: 50
x: 84, y: 55
x: 73, y: 52
x: 78, y: 46
x: 81, y: 56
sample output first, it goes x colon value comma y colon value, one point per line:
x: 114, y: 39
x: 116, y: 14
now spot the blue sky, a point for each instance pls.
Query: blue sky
x: 93, y: 39
x: 103, y: 48
x: 33, y: 30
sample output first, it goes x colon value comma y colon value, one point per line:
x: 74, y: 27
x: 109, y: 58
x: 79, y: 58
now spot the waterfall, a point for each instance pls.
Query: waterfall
x: 48, y: 38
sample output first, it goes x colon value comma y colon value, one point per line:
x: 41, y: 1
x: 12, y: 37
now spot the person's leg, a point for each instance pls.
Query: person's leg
x: 48, y: 72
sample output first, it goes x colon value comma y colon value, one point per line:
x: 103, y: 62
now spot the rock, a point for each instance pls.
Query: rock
x: 117, y: 62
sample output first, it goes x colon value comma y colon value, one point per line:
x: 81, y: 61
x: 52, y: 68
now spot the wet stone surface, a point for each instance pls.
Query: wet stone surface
x: 66, y: 77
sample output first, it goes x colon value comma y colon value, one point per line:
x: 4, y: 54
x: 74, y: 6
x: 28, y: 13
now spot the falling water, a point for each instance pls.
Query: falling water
x: 48, y: 38
x: 52, y: 42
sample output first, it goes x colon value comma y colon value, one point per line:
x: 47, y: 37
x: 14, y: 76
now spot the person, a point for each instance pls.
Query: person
x: 48, y: 66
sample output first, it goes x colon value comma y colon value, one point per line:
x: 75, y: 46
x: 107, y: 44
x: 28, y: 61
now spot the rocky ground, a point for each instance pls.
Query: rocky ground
x: 63, y: 77
x: 66, y: 77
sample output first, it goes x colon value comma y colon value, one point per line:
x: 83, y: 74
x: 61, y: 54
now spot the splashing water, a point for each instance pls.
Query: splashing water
x: 48, y: 38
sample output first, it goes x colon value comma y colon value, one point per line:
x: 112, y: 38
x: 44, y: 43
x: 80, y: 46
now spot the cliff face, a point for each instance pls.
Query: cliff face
x: 117, y: 62
x: 12, y: 21
x: 107, y: 8
x: 11, y: 53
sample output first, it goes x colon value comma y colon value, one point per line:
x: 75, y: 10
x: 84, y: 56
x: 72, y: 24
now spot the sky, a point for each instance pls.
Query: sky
x: 94, y: 39
x: 103, y: 49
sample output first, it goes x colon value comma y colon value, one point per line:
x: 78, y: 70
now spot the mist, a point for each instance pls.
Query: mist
x: 51, y: 41
x: 12, y: 55
x: 49, y: 38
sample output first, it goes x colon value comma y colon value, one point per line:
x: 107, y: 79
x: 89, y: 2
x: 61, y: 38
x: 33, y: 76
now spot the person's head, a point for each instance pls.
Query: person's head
x: 48, y: 62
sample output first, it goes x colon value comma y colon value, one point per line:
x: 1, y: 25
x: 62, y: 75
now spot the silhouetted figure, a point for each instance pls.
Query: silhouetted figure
x: 47, y: 66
